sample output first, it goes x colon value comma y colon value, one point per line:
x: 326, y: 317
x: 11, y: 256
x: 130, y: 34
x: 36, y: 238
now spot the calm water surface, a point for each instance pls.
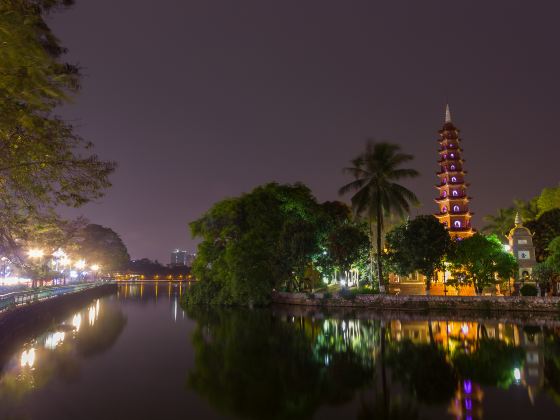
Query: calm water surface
x: 136, y: 354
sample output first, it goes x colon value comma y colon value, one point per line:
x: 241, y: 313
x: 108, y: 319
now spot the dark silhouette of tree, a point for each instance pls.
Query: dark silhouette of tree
x: 102, y: 245
x: 419, y: 245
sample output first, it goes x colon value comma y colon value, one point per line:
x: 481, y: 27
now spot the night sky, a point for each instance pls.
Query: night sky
x: 199, y: 100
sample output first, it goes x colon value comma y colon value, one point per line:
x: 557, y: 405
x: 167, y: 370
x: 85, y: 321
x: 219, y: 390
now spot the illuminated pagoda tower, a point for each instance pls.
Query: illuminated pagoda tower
x: 453, y: 201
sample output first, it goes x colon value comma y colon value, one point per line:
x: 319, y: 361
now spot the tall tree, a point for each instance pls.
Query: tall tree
x: 478, y: 260
x: 43, y: 162
x: 103, y: 246
x: 501, y: 223
x: 376, y: 191
x: 549, y: 199
x: 419, y: 245
x: 544, y: 229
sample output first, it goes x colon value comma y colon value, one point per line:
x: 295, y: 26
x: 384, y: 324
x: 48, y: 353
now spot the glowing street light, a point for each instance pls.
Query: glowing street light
x: 59, y: 253
x: 35, y: 253
x: 65, y: 261
x: 80, y: 264
x: 95, y: 267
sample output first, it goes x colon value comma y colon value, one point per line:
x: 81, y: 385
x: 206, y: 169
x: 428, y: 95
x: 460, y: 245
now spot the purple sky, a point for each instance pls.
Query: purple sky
x: 199, y: 100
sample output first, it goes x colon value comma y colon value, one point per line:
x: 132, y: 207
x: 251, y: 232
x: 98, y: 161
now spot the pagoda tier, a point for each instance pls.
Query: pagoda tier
x: 452, y: 201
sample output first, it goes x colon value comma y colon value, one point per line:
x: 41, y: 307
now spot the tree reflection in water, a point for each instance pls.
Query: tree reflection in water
x: 254, y: 365
x: 56, y: 354
x: 262, y: 364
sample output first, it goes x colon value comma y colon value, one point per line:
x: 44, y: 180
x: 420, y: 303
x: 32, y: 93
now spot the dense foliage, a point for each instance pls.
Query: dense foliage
x: 418, y: 245
x: 544, y: 229
x: 481, y: 261
x: 501, y: 223
x: 102, y: 245
x: 43, y: 162
x: 275, y: 237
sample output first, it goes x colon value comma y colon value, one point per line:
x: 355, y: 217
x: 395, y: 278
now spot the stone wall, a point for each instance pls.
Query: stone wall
x: 423, y: 303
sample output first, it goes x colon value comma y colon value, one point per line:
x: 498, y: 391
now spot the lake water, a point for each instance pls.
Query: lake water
x: 136, y: 354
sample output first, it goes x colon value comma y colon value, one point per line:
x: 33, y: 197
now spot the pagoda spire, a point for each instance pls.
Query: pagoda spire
x: 452, y: 200
x: 518, y: 221
x: 447, y: 114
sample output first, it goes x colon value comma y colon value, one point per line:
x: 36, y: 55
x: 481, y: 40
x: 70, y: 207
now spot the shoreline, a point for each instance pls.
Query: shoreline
x: 420, y: 304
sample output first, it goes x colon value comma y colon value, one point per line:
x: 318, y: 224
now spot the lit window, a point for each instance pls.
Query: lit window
x: 453, y: 179
x: 452, y: 155
x: 455, y: 193
x: 456, y: 209
x: 444, y: 209
x: 457, y: 224
x: 452, y: 167
x: 444, y: 194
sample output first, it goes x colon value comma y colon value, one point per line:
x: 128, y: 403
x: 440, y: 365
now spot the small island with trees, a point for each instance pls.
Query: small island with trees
x: 279, y: 243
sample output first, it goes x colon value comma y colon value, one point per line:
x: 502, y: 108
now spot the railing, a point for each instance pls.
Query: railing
x: 15, y: 299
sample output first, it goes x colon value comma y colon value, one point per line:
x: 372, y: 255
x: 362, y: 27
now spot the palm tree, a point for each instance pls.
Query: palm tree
x: 377, y: 195
x: 501, y: 223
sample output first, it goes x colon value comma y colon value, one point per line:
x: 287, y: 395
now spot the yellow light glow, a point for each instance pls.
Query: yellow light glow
x: 65, y: 261
x: 54, y: 339
x: 77, y: 321
x: 59, y: 253
x: 95, y: 267
x: 35, y: 253
x: 28, y: 358
x: 80, y: 264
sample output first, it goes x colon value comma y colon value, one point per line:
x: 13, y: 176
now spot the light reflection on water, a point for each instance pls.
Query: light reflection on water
x: 139, y: 347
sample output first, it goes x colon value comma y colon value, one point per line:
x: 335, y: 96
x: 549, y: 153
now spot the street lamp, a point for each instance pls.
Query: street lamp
x: 35, y: 253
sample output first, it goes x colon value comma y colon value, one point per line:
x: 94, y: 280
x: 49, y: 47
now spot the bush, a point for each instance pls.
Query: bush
x: 528, y: 290
x: 366, y: 290
x: 327, y: 295
x: 348, y: 294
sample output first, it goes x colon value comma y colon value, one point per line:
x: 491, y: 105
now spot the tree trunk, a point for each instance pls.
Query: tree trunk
x: 379, y: 250
x: 429, y: 279
x: 370, y: 254
x: 385, y: 388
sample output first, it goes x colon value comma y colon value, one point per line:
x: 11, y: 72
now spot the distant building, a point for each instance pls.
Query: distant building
x: 180, y: 258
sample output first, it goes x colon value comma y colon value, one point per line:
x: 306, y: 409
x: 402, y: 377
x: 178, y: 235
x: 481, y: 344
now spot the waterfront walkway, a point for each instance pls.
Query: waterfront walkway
x: 10, y: 301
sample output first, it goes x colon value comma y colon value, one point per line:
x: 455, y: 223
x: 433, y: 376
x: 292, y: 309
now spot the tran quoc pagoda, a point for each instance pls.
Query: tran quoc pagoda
x: 452, y: 200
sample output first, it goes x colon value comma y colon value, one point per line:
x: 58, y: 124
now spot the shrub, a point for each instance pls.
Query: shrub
x: 327, y: 295
x: 348, y: 294
x: 528, y: 290
x: 366, y: 290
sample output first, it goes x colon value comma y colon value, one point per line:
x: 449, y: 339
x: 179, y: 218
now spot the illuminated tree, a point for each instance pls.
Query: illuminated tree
x: 419, y: 245
x: 43, y: 162
x: 478, y: 260
x: 103, y: 246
